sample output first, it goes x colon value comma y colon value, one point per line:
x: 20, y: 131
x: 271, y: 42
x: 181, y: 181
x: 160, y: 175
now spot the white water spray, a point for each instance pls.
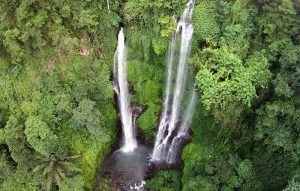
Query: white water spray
x: 121, y: 88
x: 165, y: 147
x: 183, y: 130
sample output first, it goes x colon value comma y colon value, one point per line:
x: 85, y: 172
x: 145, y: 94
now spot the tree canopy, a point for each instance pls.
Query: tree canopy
x: 57, y: 101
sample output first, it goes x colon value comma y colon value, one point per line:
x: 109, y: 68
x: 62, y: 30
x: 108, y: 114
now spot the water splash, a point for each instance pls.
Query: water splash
x: 167, y: 144
x: 177, y: 141
x: 121, y: 89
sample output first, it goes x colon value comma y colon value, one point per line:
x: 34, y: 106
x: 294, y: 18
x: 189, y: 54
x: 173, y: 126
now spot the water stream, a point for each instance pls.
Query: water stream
x: 128, y: 165
x: 121, y: 89
x: 173, y: 125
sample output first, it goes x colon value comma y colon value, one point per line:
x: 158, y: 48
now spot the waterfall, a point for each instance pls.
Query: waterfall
x: 121, y: 89
x: 176, y: 144
x: 172, y: 121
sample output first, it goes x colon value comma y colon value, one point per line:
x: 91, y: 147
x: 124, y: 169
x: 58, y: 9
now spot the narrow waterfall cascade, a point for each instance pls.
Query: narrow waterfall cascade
x: 177, y: 142
x: 121, y: 89
x: 180, y: 95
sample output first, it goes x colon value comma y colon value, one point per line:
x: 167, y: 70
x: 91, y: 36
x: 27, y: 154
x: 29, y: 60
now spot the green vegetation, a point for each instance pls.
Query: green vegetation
x: 55, y: 169
x: 246, y: 67
x: 146, y: 78
x: 165, y: 181
x: 247, y: 73
x: 56, y: 97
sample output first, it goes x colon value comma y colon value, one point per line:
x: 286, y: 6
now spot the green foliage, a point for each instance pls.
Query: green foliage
x: 105, y: 186
x: 145, y: 78
x: 199, y: 184
x: 86, y: 115
x: 40, y: 137
x: 283, y: 14
x: 205, y: 21
x: 286, y: 81
x: 160, y: 45
x: 148, y: 121
x: 141, y: 12
x: 4, y: 167
x: 21, y: 180
x: 247, y: 78
x: 75, y: 183
x: 31, y: 27
x: 165, y: 181
x: 235, y: 38
x: 149, y: 25
x: 56, y: 169
x: 54, y: 91
x: 277, y: 123
x: 210, y: 160
x: 53, y: 111
x: 293, y: 186
x: 56, y: 96
x: 245, y: 169
x: 226, y: 82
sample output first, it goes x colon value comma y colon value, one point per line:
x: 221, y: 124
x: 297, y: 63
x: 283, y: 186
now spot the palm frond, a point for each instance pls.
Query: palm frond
x: 68, y: 158
x: 49, y: 181
x: 55, y: 169
x: 69, y: 166
x: 48, y: 168
x: 57, y: 178
x: 39, y: 167
x: 60, y: 171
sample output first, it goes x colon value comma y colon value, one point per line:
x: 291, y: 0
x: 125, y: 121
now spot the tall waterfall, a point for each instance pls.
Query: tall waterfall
x: 174, y: 122
x: 121, y: 88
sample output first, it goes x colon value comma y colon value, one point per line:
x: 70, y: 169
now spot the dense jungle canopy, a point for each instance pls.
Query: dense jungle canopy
x: 57, y: 107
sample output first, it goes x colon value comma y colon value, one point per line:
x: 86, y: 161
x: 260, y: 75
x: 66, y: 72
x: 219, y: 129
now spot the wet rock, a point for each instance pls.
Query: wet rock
x: 137, y: 110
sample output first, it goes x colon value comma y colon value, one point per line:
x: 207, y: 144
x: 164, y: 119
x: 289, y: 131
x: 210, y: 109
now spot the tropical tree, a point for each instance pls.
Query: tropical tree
x: 229, y: 85
x: 293, y: 186
x: 55, y: 169
x: 86, y: 115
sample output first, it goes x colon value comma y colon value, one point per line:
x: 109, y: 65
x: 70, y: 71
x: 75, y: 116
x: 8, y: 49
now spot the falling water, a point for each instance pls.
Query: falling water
x: 177, y: 141
x: 164, y: 118
x: 166, y: 145
x: 121, y: 88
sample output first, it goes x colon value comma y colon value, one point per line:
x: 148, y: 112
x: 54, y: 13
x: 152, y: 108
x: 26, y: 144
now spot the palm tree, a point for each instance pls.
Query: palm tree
x: 55, y: 169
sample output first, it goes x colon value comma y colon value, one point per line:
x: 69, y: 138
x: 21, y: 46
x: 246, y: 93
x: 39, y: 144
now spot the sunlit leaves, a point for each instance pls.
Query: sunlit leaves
x: 86, y: 18
x: 149, y: 22
x: 225, y: 80
x: 277, y: 20
x: 21, y: 180
x: 293, y: 186
x: 56, y: 169
x: 40, y: 137
x: 75, y: 183
x: 87, y: 116
x: 4, y: 167
x: 41, y: 25
x: 205, y: 21
x: 277, y: 123
x: 245, y: 169
x: 165, y: 181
